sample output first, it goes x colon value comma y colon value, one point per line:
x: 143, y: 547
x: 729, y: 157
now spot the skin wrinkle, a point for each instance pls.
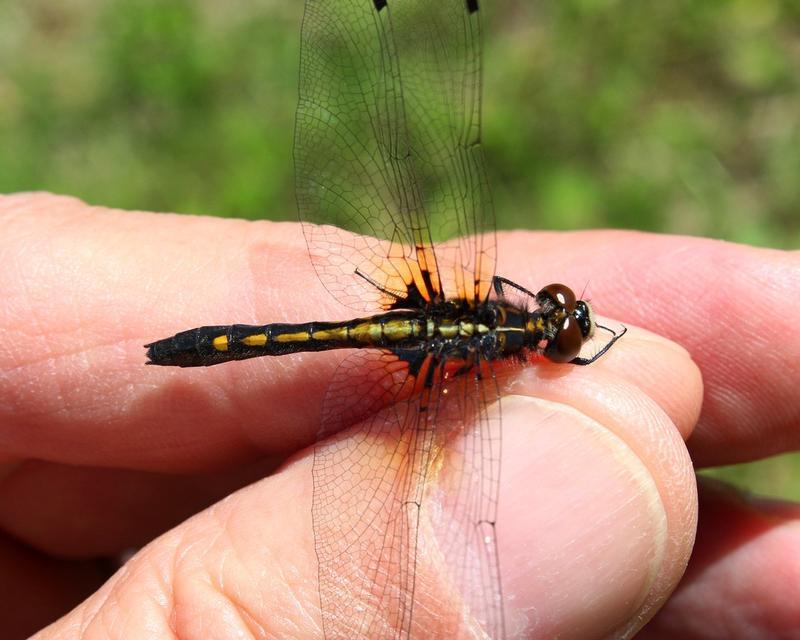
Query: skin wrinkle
x: 292, y: 588
x: 109, y: 595
x: 30, y: 320
x: 684, y: 423
x: 239, y: 610
x: 667, y: 402
x: 166, y: 602
x: 91, y: 609
x: 116, y: 624
x: 223, y: 514
x: 64, y: 354
x: 247, y: 436
x: 184, y: 573
x: 36, y: 277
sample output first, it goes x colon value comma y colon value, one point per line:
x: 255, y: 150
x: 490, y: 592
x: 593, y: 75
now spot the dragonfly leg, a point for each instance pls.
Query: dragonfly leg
x: 411, y: 298
x: 397, y: 295
x: 608, y: 345
x: 499, y: 281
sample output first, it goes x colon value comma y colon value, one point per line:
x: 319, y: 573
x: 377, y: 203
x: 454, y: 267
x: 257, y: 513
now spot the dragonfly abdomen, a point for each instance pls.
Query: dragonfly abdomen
x: 205, y: 346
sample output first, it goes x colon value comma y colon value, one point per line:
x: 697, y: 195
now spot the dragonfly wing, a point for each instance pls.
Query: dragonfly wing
x: 468, y: 490
x: 366, y: 485
x: 387, y: 147
x: 395, y: 547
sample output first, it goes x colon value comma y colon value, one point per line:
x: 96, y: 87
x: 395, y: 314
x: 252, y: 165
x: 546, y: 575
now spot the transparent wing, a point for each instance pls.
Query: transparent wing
x: 469, y: 487
x: 404, y: 505
x: 387, y: 146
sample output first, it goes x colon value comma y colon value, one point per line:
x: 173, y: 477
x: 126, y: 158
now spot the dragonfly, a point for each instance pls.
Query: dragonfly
x: 395, y: 206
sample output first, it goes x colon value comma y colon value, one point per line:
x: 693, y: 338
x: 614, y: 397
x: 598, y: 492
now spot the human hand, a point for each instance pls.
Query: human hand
x: 597, y: 497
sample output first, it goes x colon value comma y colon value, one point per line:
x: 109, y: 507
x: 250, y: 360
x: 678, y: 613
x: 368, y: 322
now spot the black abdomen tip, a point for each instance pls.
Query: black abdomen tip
x: 192, y: 348
x: 178, y: 351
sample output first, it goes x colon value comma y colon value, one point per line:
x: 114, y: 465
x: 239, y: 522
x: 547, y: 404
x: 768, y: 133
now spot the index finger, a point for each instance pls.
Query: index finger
x: 733, y: 307
x: 88, y: 287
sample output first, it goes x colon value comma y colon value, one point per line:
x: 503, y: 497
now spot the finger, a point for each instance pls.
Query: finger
x: 659, y: 368
x: 35, y: 590
x: 583, y: 503
x: 105, y: 283
x: 732, y: 306
x: 245, y: 567
x: 743, y: 580
x: 87, y: 287
x: 82, y: 512
x: 100, y: 511
x: 589, y: 514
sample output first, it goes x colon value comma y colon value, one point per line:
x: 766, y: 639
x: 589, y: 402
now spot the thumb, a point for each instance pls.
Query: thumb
x: 595, y: 526
x: 598, y: 509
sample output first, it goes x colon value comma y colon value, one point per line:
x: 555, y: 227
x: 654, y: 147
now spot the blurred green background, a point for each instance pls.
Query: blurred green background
x: 679, y: 116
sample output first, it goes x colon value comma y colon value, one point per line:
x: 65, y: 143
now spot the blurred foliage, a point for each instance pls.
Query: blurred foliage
x: 180, y: 106
x: 779, y: 475
x: 679, y: 116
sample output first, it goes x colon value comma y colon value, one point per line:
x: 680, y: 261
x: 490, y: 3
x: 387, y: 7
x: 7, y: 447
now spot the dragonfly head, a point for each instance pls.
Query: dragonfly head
x: 571, y: 322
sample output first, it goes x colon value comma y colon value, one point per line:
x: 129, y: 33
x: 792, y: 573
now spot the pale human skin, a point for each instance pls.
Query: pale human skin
x: 101, y: 454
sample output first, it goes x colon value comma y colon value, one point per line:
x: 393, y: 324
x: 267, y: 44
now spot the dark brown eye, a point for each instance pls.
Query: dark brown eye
x: 559, y: 294
x: 567, y: 343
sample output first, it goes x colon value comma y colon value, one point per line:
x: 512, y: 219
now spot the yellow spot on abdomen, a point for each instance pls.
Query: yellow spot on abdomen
x: 397, y: 330
x: 368, y: 332
x: 220, y: 343
x: 256, y: 340
x: 339, y: 333
x: 300, y: 336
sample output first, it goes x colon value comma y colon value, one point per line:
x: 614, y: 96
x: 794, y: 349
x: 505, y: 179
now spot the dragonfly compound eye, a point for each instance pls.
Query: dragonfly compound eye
x: 557, y: 295
x: 585, y: 317
x: 567, y: 343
